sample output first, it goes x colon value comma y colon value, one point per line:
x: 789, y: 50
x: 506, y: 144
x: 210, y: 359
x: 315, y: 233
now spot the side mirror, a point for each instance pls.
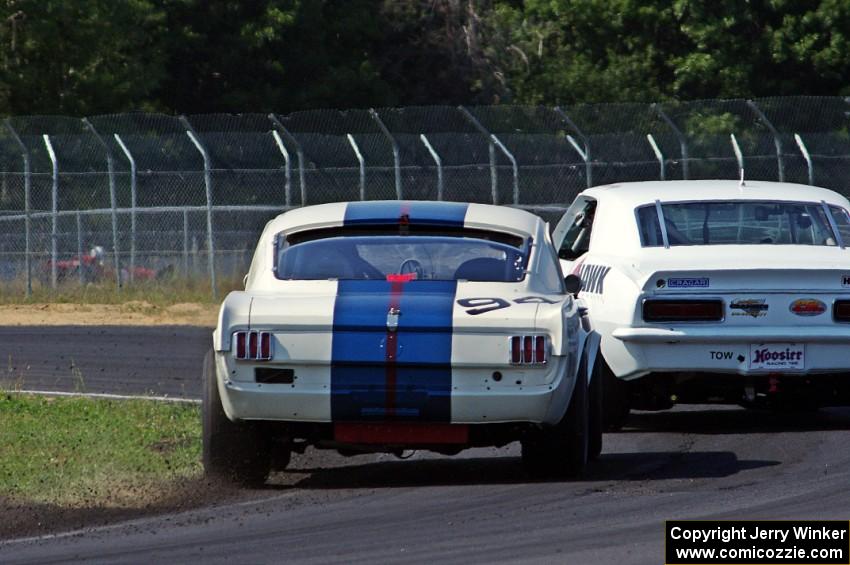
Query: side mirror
x: 573, y: 283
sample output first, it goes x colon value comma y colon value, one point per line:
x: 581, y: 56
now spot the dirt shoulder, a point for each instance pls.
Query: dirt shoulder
x: 135, y: 313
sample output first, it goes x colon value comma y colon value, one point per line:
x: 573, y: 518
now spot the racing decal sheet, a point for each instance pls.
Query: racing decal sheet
x: 391, y: 355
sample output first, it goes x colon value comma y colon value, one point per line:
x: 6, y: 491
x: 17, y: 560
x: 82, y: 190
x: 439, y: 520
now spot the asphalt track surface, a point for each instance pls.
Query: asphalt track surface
x: 690, y: 463
x: 163, y: 360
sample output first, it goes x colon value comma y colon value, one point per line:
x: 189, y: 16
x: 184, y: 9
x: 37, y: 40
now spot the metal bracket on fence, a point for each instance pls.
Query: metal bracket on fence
x: 437, y: 161
x: 658, y: 155
x: 133, y: 202
x: 495, y: 142
x: 25, y: 155
x: 54, y: 209
x: 208, y: 184
x: 683, y: 143
x: 287, y: 187
x: 777, y: 141
x: 396, y: 154
x: 514, y: 166
x: 362, y: 164
x: 805, y: 151
x: 585, y: 154
x: 738, y: 154
x: 299, y: 152
x: 113, y: 200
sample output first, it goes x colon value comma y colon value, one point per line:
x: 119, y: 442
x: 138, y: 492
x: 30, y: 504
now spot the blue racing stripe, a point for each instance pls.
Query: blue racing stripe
x: 417, y: 213
x: 368, y: 381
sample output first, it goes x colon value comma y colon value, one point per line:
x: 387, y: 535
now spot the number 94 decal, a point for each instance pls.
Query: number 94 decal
x: 481, y: 305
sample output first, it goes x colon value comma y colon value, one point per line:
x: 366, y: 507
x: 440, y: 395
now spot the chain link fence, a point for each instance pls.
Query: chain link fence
x: 131, y: 198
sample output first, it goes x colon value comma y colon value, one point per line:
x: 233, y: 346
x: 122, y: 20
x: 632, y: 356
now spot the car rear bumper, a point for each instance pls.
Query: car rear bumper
x: 475, y: 399
x: 707, y: 349
x: 713, y: 334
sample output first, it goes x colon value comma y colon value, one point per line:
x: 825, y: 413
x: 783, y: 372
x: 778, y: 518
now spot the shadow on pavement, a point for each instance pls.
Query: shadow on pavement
x: 732, y: 420
x: 643, y: 466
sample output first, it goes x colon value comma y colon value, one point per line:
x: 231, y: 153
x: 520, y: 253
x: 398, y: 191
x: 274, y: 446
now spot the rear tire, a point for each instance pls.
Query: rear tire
x: 615, y: 396
x: 232, y: 451
x: 596, y: 412
x: 562, y: 450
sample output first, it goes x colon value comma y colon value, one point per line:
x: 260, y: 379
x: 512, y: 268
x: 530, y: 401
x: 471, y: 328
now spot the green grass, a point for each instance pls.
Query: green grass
x: 84, y: 452
x: 158, y: 293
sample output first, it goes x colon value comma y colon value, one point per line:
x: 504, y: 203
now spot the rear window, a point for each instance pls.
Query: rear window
x: 382, y: 254
x: 748, y: 222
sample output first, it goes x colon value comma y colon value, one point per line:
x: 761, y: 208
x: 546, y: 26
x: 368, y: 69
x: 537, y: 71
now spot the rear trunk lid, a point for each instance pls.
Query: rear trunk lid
x: 768, y: 285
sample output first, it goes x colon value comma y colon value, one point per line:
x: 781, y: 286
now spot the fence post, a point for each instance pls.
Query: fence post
x: 362, y: 165
x: 299, y: 152
x: 683, y: 144
x: 585, y: 155
x: 25, y: 155
x: 186, y: 242
x: 54, y: 209
x: 81, y: 268
x: 287, y: 188
x: 777, y: 141
x: 208, y: 185
x: 113, y: 201
x: 495, y: 142
x: 738, y: 154
x: 491, y: 140
x: 437, y: 161
x: 805, y: 151
x: 133, y: 203
x: 396, y: 156
x: 514, y: 167
x: 658, y: 155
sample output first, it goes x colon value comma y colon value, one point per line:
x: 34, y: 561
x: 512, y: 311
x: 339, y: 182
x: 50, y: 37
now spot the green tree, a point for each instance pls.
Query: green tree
x: 80, y: 57
x: 568, y: 51
x: 274, y: 55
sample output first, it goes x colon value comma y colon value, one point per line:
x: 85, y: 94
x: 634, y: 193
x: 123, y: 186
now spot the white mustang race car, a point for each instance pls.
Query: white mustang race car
x: 714, y: 291
x: 385, y: 326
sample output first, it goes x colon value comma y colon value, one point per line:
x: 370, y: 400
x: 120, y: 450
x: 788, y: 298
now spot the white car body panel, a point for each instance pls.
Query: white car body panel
x: 619, y: 274
x: 303, y: 317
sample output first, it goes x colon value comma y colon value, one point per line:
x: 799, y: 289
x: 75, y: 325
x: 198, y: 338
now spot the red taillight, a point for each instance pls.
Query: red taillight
x: 516, y: 350
x: 265, y: 345
x: 526, y: 349
x: 841, y: 311
x: 540, y: 349
x: 240, y: 345
x: 253, y: 346
x: 682, y: 310
x: 529, y: 350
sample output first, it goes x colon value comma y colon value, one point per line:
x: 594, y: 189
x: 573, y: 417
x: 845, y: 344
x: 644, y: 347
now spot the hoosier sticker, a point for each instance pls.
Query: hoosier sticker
x: 777, y: 356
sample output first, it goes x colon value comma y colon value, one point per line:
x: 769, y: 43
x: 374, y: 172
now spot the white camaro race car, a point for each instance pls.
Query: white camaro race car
x: 714, y: 291
x: 385, y: 326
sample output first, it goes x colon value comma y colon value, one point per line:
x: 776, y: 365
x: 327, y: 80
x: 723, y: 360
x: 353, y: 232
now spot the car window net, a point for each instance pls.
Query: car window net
x: 750, y: 222
x: 414, y: 257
